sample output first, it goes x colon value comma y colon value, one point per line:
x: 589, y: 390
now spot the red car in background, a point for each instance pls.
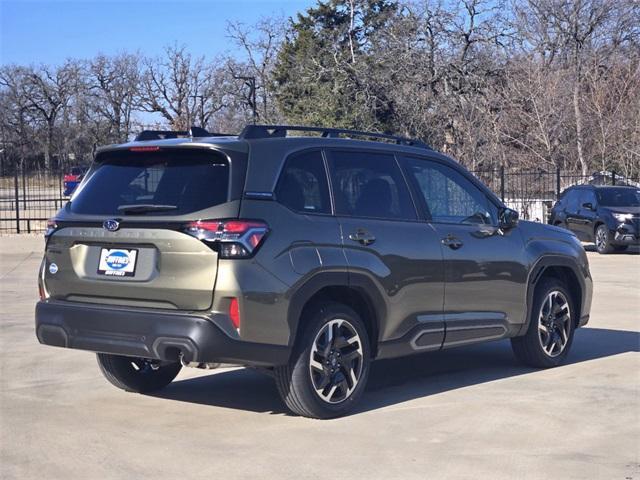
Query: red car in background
x: 72, y: 179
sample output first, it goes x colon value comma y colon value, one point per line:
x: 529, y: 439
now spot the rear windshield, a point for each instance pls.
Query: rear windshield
x: 619, y: 197
x: 164, y: 182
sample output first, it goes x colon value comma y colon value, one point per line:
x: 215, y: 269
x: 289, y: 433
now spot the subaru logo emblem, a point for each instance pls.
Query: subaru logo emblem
x: 111, y: 225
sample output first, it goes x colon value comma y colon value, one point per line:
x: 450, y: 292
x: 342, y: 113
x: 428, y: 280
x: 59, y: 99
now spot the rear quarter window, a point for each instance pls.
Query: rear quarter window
x: 303, y: 186
x: 164, y: 182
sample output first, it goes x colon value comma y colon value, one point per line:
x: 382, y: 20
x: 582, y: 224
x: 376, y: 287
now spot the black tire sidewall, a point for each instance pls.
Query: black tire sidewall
x: 300, y: 375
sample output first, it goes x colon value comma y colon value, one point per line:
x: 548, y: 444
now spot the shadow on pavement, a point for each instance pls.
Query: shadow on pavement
x: 631, y: 250
x: 399, y: 380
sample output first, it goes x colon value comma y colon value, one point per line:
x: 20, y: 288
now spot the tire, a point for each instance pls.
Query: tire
x: 603, y: 240
x: 534, y: 348
x: 620, y: 248
x: 300, y: 382
x: 137, y: 374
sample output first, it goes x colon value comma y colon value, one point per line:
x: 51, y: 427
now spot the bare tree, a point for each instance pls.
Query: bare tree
x: 46, y: 92
x: 181, y: 89
x: 113, y: 85
x: 259, y: 45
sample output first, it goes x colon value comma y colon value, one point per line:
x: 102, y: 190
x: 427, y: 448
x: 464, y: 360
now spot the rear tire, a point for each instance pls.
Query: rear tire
x: 137, y: 374
x: 603, y: 240
x: 551, y: 326
x: 329, y: 366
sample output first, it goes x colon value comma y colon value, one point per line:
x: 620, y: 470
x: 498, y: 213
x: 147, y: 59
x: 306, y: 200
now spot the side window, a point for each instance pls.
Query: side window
x: 588, y: 196
x: 448, y: 195
x: 573, y: 200
x: 369, y: 185
x: 303, y: 183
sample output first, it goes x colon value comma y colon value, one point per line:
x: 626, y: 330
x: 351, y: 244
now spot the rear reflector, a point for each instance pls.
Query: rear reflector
x: 234, y: 312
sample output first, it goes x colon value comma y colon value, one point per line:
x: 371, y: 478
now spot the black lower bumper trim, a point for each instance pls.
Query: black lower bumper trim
x: 146, y: 333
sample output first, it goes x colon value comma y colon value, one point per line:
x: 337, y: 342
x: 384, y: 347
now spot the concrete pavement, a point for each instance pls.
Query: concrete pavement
x: 466, y: 413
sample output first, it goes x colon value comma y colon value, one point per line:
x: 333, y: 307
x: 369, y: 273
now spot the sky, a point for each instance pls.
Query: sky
x: 36, y: 31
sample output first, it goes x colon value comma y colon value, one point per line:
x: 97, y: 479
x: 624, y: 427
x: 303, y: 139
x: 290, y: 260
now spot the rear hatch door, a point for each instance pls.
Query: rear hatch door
x: 121, y: 240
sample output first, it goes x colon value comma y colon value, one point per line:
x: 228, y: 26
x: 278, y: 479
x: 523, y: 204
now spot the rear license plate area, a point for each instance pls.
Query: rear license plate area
x: 117, y: 262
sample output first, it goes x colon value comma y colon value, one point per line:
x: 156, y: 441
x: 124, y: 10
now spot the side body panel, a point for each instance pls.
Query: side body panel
x: 486, y: 283
x: 298, y: 248
x: 405, y: 261
x: 548, y: 247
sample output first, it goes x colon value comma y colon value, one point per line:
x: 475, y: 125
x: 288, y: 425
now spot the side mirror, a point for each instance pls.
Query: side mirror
x: 588, y: 206
x: 508, y: 218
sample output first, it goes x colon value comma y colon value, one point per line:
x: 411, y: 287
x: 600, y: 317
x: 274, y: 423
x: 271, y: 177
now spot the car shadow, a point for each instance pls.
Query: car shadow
x: 399, y: 380
x: 631, y: 249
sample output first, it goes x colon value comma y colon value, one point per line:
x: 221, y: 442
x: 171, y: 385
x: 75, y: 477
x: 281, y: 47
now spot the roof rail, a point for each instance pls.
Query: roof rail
x: 193, y: 132
x: 280, y: 131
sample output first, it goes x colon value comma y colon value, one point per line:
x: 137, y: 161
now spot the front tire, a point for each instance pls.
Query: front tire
x: 329, y: 366
x: 603, y: 240
x: 551, y: 326
x: 137, y: 375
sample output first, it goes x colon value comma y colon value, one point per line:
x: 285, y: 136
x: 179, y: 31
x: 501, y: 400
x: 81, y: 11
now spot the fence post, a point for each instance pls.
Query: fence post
x: 24, y: 190
x: 613, y: 177
x: 17, y: 199
x: 502, y: 183
x: 557, y: 183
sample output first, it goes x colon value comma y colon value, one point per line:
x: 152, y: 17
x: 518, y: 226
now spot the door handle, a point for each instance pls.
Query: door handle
x: 363, y: 237
x: 452, y: 242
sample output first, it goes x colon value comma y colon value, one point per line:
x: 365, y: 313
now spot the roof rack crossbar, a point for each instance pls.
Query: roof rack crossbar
x: 280, y: 131
x: 193, y: 132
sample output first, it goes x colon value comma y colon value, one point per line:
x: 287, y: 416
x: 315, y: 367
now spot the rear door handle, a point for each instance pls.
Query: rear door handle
x: 363, y: 237
x: 452, y: 242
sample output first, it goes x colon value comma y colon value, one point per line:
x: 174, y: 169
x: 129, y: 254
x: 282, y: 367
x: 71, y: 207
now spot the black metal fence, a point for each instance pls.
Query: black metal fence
x: 532, y: 193
x: 27, y: 200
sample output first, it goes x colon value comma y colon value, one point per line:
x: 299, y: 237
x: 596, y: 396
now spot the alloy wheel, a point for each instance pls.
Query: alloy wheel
x: 554, y: 323
x: 601, y: 239
x: 336, y: 361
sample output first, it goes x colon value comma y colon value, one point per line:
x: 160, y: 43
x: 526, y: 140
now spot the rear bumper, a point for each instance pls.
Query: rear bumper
x: 138, y: 332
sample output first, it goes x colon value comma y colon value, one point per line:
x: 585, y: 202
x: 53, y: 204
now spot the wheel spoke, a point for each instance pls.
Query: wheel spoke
x: 352, y: 375
x: 316, y: 364
x: 331, y: 392
x: 565, y: 338
x: 325, y: 380
x: 344, y: 386
x: 349, y: 357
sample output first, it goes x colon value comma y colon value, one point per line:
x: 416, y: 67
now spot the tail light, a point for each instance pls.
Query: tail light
x: 231, y: 238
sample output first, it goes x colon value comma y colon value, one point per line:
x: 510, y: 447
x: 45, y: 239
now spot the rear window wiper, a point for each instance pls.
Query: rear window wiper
x: 145, y: 207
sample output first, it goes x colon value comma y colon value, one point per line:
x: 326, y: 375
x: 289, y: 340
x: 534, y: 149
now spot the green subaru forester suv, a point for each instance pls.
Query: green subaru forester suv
x: 307, y: 256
